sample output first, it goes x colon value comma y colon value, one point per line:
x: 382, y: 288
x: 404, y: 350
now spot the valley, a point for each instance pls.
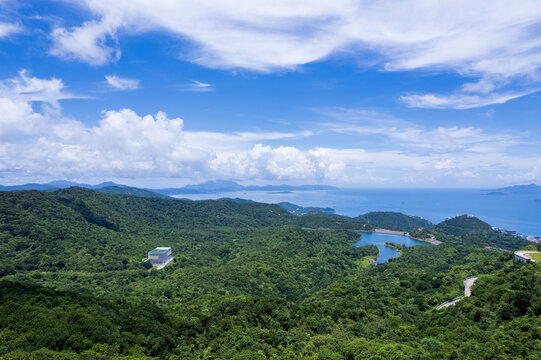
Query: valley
x: 248, y: 282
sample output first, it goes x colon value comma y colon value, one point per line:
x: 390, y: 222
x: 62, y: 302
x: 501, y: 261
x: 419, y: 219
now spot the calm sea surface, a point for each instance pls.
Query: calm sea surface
x: 385, y: 253
x: 512, y: 212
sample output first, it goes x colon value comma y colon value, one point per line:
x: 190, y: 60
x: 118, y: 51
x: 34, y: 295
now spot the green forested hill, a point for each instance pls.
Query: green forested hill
x: 464, y: 224
x: 393, y: 220
x: 247, y: 283
x: 127, y: 190
x: 130, y: 213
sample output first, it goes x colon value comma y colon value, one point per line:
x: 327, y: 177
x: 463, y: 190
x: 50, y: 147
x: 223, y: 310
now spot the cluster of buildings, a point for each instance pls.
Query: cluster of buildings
x: 534, y: 239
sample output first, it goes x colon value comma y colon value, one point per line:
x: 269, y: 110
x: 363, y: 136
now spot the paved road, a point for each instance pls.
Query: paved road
x: 468, y: 282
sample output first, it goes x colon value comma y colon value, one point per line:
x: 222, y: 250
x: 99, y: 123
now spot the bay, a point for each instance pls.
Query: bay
x: 512, y: 212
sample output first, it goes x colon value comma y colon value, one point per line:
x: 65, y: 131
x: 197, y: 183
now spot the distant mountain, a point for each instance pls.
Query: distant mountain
x: 219, y: 186
x: 104, y: 184
x: 237, y: 200
x: 62, y: 184
x: 31, y: 186
x: 300, y: 210
x: 531, y: 189
x: 209, y: 187
x: 127, y: 190
x: 55, y: 185
x: 463, y: 225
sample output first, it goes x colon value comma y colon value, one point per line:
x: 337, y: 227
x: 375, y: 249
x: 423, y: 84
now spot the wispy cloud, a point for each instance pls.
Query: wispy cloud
x: 120, y: 83
x: 7, y: 29
x: 408, y: 137
x: 195, y: 86
x: 492, y: 41
x: 29, y: 88
x: 461, y: 100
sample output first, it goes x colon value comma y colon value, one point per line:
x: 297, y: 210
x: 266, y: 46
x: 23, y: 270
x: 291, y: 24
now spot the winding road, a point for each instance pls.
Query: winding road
x: 468, y: 283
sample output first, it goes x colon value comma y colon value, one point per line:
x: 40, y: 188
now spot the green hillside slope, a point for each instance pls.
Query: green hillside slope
x: 127, y: 190
x: 462, y: 225
x: 247, y: 283
x: 393, y: 220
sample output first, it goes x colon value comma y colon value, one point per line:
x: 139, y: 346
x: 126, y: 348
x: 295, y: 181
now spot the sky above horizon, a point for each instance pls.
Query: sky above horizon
x: 416, y: 94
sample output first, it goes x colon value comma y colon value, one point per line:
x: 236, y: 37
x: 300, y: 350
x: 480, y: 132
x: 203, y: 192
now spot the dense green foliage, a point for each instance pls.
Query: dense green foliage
x: 393, y: 220
x: 462, y: 225
x: 325, y: 221
x: 247, y: 283
x: 127, y: 190
x: 300, y: 210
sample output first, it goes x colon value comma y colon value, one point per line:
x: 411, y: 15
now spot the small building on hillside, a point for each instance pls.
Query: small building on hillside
x: 524, y: 255
x: 160, y: 256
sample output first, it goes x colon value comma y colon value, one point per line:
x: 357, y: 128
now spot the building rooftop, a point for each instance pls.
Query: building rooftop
x: 160, y: 250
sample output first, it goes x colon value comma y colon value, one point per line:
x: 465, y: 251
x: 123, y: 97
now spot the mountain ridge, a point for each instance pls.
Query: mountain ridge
x: 209, y: 187
x: 531, y: 189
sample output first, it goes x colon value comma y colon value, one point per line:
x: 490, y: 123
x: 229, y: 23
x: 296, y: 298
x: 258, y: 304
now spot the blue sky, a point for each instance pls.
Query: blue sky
x: 348, y: 93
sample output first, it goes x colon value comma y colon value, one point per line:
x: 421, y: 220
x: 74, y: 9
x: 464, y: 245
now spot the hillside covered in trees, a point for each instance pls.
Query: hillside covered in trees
x: 249, y: 283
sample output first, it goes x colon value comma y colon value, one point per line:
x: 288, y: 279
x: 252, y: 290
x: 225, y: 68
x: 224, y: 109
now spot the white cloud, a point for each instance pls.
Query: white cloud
x: 34, y: 89
x: 460, y: 100
x: 408, y: 137
x: 90, y: 42
x: 496, y: 40
x: 262, y: 36
x: 16, y: 97
x: 121, y: 83
x: 17, y: 118
x: 123, y: 144
x: 7, y: 29
x: 196, y: 86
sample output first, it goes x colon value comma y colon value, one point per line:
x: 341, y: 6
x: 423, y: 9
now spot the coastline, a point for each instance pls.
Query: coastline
x: 432, y: 240
x: 391, y: 232
x: 398, y: 250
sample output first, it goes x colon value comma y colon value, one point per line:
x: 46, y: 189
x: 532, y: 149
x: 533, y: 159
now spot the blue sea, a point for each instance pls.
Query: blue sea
x: 512, y: 212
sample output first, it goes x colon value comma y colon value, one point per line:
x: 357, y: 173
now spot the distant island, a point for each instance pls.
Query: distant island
x: 220, y: 186
x: 531, y: 189
x: 300, y: 210
x: 209, y: 187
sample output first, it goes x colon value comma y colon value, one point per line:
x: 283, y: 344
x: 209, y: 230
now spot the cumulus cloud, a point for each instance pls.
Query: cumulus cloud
x: 121, y: 83
x: 17, y: 118
x: 124, y: 144
x: 16, y: 97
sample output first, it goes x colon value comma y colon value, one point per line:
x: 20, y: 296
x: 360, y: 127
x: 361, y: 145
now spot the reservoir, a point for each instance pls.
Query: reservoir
x: 386, y: 253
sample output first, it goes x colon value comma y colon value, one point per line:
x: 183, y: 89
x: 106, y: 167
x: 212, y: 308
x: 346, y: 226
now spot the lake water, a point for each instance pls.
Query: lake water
x: 512, y: 212
x: 386, y: 253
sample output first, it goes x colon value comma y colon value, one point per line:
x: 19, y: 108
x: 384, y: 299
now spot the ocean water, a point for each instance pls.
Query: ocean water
x: 512, y: 212
x: 386, y: 253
